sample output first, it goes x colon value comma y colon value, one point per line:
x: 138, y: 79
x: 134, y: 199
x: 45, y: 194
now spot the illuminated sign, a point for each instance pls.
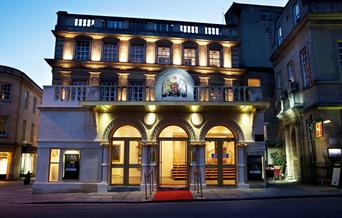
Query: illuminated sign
x: 319, y: 129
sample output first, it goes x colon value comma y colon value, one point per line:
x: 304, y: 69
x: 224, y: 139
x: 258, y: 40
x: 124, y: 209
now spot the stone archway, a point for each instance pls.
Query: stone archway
x: 117, y: 123
x: 233, y: 126
x: 169, y: 122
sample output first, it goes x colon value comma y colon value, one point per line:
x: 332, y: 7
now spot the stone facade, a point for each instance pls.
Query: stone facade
x: 19, y: 117
x: 122, y: 86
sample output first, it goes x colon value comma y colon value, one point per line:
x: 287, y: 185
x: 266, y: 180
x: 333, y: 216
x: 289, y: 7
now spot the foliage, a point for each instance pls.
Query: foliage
x: 279, y: 159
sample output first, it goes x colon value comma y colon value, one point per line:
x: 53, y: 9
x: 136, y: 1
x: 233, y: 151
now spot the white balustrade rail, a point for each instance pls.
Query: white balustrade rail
x: 71, y: 95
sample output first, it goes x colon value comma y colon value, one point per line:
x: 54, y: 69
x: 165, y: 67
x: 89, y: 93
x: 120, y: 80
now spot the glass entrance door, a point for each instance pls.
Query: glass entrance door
x: 173, y: 163
x: 220, y: 168
x: 126, y: 162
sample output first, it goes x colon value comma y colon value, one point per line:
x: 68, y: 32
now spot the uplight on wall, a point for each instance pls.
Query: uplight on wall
x: 152, y: 108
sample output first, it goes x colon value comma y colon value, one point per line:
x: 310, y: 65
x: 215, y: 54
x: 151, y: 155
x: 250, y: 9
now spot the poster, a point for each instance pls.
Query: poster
x: 71, y: 166
x: 254, y: 167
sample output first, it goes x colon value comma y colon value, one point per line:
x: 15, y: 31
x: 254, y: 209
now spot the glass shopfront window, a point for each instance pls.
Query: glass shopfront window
x: 54, y: 165
x: 27, y: 163
x: 4, y: 162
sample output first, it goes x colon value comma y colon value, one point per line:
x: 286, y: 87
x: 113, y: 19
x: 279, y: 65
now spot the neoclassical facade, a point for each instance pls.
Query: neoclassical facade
x: 131, y: 98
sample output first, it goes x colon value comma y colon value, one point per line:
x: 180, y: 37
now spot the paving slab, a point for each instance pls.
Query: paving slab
x: 14, y: 192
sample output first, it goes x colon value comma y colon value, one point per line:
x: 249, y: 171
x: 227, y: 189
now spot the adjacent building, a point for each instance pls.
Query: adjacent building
x: 137, y: 102
x: 19, y: 116
x: 307, y: 62
x: 255, y: 28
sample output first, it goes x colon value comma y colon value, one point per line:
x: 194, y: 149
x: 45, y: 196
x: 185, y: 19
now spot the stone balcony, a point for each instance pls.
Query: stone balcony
x: 79, y: 96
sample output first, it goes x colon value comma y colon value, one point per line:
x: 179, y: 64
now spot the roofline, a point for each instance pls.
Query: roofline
x: 23, y: 76
x: 255, y: 5
x: 137, y: 18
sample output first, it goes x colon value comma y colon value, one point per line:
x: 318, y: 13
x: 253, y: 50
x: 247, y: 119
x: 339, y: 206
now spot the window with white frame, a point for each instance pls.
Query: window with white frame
x: 26, y: 99
x: 107, y: 90
x: 279, y: 83
x: 136, y: 91
x: 296, y: 13
x: 214, y: 58
x: 5, y: 91
x: 305, y: 67
x: 189, y: 56
x: 279, y: 35
x: 164, y: 55
x: 110, y: 51
x: 79, y: 90
x: 54, y: 165
x: 3, y: 126
x: 137, y: 53
x: 290, y: 72
x: 82, y: 50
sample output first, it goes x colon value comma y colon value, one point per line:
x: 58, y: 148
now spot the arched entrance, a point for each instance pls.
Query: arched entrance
x: 125, y: 156
x: 220, y: 156
x: 173, y: 157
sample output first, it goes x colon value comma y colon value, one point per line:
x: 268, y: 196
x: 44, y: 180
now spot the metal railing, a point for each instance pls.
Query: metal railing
x: 141, y: 93
x: 148, y: 178
x: 198, y: 181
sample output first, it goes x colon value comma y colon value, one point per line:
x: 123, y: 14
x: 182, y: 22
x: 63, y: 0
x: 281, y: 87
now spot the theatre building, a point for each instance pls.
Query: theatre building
x: 132, y: 98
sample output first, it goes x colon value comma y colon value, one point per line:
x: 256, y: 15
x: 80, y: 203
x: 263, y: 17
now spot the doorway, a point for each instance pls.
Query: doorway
x: 173, y: 158
x: 220, y: 157
x: 125, y: 157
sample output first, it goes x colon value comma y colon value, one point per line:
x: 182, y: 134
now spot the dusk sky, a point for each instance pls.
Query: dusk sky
x: 25, y: 26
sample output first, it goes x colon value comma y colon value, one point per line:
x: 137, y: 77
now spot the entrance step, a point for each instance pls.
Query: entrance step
x: 227, y: 173
x: 179, y: 171
x: 123, y: 188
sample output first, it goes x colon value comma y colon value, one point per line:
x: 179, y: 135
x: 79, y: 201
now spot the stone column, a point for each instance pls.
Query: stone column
x: 150, y: 87
x: 204, y: 92
x: 289, y: 164
x: 65, y: 82
x: 122, y: 86
x: 229, y: 95
x: 103, y: 186
x: 68, y: 48
x: 93, y: 93
x: 241, y: 166
x: 299, y: 153
x: 177, y: 52
x: 123, y: 49
x: 203, y: 55
x: 227, y: 56
x: 151, y: 52
x: 96, y: 48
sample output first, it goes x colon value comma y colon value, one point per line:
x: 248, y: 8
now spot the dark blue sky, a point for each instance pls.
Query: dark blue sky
x: 25, y: 25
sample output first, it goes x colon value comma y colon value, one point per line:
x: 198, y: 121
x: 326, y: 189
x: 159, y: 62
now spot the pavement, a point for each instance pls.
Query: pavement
x: 14, y: 192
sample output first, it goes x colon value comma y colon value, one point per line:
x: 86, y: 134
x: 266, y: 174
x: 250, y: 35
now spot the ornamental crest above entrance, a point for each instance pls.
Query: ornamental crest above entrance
x: 174, y: 85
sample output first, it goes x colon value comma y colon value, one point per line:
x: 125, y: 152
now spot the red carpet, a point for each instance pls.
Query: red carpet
x: 173, y: 195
